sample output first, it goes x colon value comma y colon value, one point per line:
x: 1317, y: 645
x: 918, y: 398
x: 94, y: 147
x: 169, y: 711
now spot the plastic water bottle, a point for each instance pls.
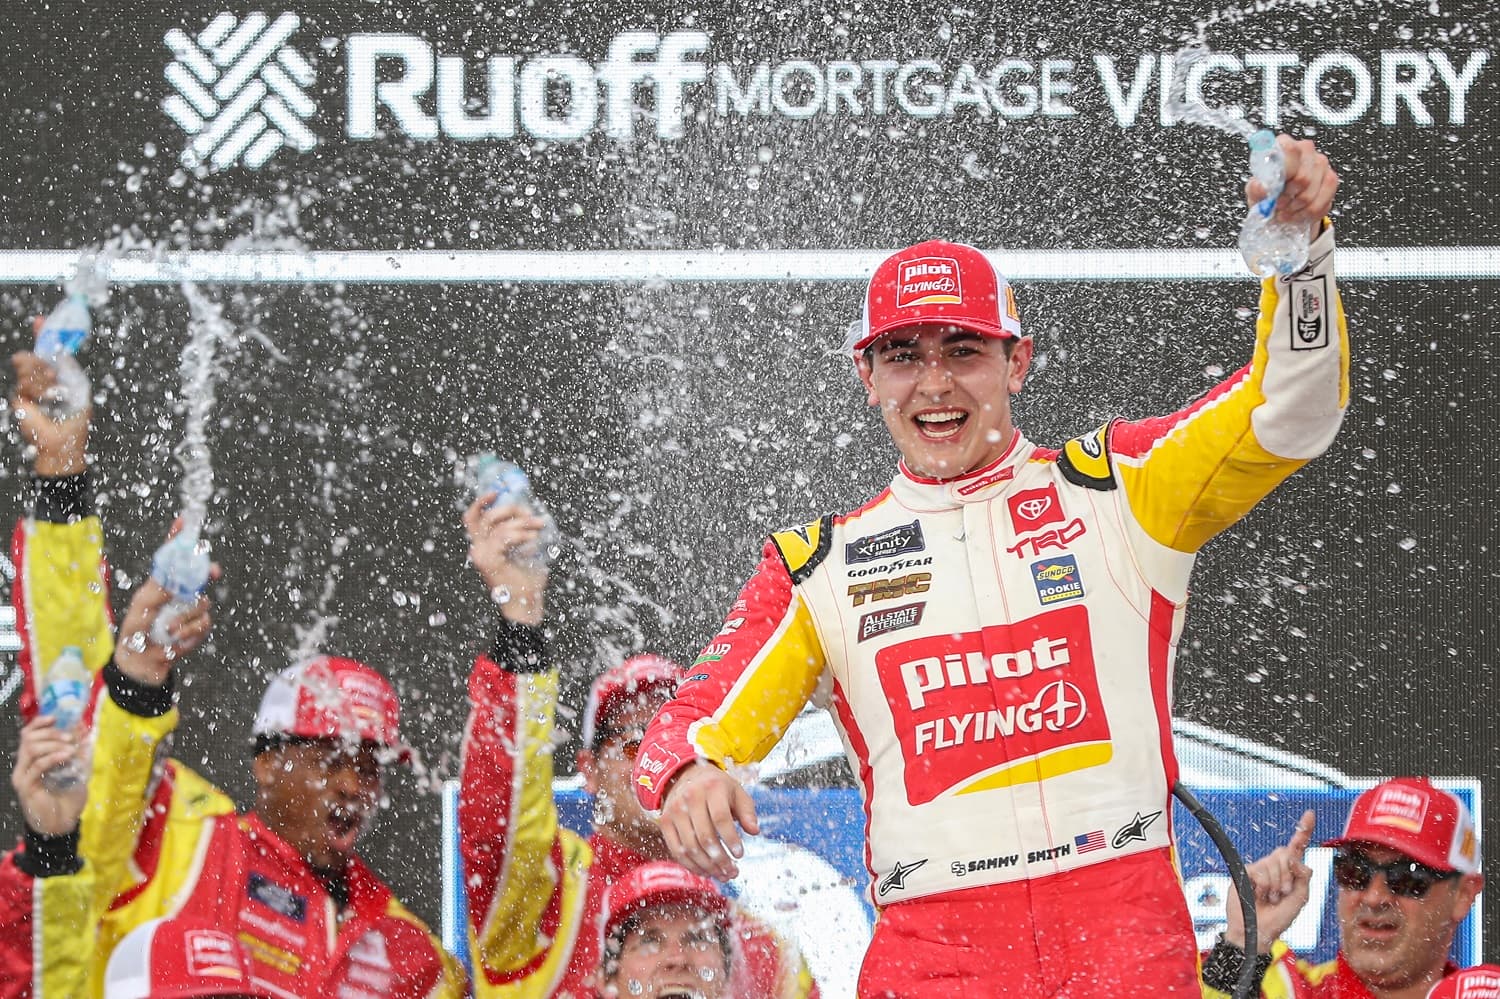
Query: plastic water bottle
x: 65, y: 697
x: 510, y: 485
x: 181, y: 566
x: 63, y: 332
x: 1270, y: 247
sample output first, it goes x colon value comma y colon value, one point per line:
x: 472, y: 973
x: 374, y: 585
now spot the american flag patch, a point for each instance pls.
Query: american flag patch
x: 1089, y: 842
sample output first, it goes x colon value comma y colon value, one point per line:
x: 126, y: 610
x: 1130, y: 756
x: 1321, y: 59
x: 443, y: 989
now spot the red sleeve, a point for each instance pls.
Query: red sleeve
x: 744, y: 689
x: 16, y: 929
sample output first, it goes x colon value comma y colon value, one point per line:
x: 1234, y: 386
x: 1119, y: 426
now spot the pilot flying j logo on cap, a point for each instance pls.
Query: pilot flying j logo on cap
x: 929, y: 281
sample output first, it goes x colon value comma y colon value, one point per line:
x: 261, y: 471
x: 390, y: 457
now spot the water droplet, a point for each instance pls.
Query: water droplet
x: 1406, y: 544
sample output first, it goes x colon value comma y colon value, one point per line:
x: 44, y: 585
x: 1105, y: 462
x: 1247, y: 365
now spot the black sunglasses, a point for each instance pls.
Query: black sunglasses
x: 1406, y: 878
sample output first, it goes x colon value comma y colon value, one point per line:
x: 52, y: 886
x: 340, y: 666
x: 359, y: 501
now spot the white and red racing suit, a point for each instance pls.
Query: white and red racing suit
x: 998, y: 650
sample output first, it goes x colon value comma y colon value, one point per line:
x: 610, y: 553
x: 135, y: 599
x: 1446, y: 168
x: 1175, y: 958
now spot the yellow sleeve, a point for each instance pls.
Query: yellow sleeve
x: 1191, y: 474
x: 524, y: 873
x: 125, y: 748
x: 60, y: 596
x: 66, y: 922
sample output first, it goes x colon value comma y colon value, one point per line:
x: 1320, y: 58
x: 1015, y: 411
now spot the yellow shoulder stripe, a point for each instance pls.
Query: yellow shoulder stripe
x: 803, y: 548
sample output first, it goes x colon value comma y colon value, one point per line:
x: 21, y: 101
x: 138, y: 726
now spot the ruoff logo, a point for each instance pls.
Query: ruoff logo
x: 928, y: 281
x: 240, y: 91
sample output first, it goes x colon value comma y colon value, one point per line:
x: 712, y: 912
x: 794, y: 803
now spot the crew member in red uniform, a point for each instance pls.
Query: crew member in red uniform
x: 1407, y: 871
x: 155, y: 838
x: 536, y: 890
x: 996, y: 633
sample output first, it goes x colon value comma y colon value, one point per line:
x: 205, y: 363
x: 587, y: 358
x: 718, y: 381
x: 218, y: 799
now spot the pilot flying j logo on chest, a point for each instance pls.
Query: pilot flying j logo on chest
x: 997, y: 707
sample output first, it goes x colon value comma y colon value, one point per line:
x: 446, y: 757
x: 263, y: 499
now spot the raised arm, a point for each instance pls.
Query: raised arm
x: 508, y: 826
x: 1191, y: 474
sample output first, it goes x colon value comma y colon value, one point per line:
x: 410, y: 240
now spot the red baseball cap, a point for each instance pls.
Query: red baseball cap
x: 937, y: 282
x: 618, y: 683
x: 661, y: 882
x: 331, y: 698
x: 1410, y: 815
x: 178, y: 959
x: 1479, y: 982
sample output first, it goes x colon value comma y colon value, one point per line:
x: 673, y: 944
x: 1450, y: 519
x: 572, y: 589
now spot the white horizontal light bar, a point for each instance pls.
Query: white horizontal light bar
x: 1409, y: 263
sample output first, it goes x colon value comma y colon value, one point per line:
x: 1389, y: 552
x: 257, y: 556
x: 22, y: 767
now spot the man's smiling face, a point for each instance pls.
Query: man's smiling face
x: 944, y: 393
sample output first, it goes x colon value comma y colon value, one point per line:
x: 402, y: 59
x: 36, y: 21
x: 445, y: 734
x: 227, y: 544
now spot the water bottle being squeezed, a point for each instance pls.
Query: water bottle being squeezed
x: 65, y: 697
x: 63, y: 332
x: 1268, y: 246
x: 181, y: 567
x: 510, y: 485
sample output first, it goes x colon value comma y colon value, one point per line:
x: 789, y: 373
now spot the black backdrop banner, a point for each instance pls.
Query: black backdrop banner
x: 670, y: 424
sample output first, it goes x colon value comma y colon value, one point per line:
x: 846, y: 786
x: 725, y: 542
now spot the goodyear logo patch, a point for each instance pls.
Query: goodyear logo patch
x: 1057, y: 579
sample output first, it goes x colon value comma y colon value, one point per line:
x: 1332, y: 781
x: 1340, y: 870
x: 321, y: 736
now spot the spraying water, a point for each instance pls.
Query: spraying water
x: 182, y: 565
x: 199, y: 375
x: 1187, y: 76
x: 1269, y: 247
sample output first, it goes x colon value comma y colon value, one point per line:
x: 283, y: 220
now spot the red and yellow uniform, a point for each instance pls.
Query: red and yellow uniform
x: 1291, y: 977
x: 536, y: 889
x: 159, y: 840
x: 998, y: 652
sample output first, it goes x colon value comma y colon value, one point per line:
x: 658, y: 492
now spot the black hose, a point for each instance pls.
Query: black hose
x: 1247, y: 986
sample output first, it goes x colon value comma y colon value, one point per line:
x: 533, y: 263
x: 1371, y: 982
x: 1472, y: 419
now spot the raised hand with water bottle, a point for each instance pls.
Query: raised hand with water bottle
x: 512, y: 540
x: 147, y: 645
x: 1290, y: 192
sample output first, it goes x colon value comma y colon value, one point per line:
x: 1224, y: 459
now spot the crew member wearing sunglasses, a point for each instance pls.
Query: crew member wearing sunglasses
x: 1407, y: 871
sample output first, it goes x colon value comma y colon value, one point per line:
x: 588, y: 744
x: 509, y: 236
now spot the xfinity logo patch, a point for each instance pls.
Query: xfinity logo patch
x: 240, y: 91
x: 897, y: 541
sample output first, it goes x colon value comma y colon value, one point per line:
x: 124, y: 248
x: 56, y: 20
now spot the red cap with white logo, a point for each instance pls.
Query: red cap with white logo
x: 1479, y: 982
x: 636, y: 675
x: 937, y: 282
x: 331, y: 698
x: 1411, y: 816
x: 661, y: 882
x: 177, y: 959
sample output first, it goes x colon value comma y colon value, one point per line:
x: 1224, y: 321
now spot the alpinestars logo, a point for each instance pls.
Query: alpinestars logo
x: 241, y: 91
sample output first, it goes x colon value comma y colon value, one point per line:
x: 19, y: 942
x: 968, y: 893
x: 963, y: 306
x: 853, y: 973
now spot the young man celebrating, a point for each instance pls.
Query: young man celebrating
x: 536, y: 890
x: 1407, y: 870
x: 997, y: 630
